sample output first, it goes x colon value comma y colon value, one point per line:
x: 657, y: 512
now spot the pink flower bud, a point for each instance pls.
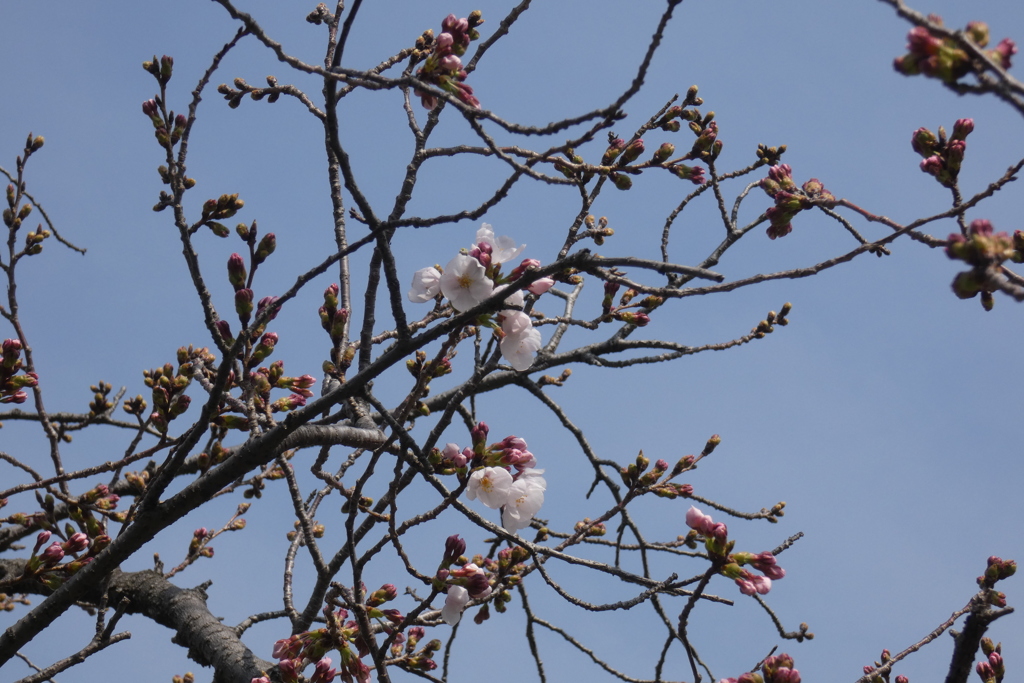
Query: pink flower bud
x: 540, y: 286
x: 76, y: 544
x: 41, y: 540
x: 53, y: 554
x: 236, y: 271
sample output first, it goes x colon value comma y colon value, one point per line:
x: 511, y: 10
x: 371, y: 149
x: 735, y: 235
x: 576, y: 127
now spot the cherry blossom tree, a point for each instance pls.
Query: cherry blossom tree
x: 443, y: 520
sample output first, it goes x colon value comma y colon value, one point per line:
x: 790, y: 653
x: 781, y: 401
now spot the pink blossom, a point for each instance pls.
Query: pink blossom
x: 286, y: 648
x: 698, y: 521
x: 323, y: 673
x: 513, y: 442
x: 452, y: 454
x: 540, y: 286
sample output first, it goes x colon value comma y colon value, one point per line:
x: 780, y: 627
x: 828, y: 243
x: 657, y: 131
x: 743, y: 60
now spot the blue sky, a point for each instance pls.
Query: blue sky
x: 886, y: 414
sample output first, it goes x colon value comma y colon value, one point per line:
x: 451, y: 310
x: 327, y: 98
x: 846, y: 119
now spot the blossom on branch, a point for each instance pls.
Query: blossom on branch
x: 465, y: 282
x: 491, y: 485
x: 456, y: 601
x: 426, y: 283
x: 503, y: 249
x: 521, y: 340
x: 525, y: 498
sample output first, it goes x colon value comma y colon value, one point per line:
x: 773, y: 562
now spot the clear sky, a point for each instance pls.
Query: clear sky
x: 887, y: 414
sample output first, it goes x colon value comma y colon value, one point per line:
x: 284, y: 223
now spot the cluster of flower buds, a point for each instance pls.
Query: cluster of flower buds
x: 216, y: 210
x: 770, y: 155
x: 419, y: 366
x: 886, y: 658
x: 475, y: 275
x: 197, y: 545
x: 791, y: 200
x: 300, y: 650
x: 408, y: 658
x: 169, y: 398
x: 705, y: 147
x: 443, y: 65
x: 774, y: 669
x: 942, y: 158
x: 167, y: 138
x: 997, y: 570
x: 659, y: 479
x: 984, y: 250
x: 332, y: 318
x: 46, y: 566
x: 468, y: 582
x: 272, y: 93
x: 241, y: 281
x: 100, y: 404
x: 943, y: 58
x: 991, y: 669
x: 767, y: 326
x: 729, y: 564
x: 619, y: 157
x: 99, y: 497
x: 14, y: 215
x: 639, y: 317
x: 477, y: 579
x: 12, y: 384
x: 160, y: 69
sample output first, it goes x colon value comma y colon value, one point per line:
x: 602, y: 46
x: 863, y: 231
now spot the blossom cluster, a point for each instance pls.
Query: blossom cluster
x: 941, y: 157
x: 984, y: 250
x: 943, y: 58
x: 12, y: 384
x: 443, y: 67
x: 298, y: 651
x: 774, y: 669
x: 46, y: 566
x: 731, y: 564
x: 789, y: 199
x: 476, y: 579
x: 991, y: 669
x: 473, y: 276
x: 519, y: 494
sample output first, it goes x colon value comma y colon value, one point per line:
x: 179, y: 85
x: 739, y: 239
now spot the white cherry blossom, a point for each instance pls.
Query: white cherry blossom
x: 491, y: 485
x: 426, y: 283
x: 503, y: 248
x: 465, y: 282
x: 454, y: 604
x: 521, y: 340
x: 525, y: 498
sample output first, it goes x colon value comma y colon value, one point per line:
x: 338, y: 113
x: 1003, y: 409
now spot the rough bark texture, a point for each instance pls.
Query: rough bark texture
x: 183, y: 610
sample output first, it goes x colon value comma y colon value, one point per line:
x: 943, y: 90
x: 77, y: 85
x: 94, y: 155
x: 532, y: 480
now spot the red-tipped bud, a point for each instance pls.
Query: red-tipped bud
x: 632, y: 152
x: 664, y: 152
x: 962, y: 128
x: 236, y: 271
x: 615, y: 148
